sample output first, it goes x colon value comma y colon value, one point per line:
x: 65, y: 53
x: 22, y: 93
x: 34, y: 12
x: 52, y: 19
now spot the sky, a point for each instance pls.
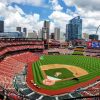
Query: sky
x: 32, y: 13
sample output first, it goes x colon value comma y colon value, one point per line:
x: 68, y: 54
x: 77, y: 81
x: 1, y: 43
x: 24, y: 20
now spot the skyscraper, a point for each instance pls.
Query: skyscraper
x: 24, y: 32
x: 18, y: 29
x: 45, y: 30
x: 1, y: 26
x: 57, y: 33
x: 53, y: 36
x: 74, y: 29
x: 47, y: 24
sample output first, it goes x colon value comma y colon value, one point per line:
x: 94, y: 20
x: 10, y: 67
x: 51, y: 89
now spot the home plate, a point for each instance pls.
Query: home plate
x: 53, y: 78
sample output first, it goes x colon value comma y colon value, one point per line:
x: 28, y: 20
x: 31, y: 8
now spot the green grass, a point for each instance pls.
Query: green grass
x: 91, y: 65
x: 77, y: 53
x: 64, y: 73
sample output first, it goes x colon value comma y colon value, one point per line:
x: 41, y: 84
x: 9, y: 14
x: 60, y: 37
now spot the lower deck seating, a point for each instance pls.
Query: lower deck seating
x: 92, y: 91
x: 13, y: 65
x: 25, y: 57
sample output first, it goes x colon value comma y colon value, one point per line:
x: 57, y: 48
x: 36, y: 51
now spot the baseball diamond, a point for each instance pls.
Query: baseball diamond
x: 65, y: 68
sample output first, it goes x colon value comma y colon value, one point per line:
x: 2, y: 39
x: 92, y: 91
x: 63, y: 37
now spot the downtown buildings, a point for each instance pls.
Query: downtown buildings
x: 16, y: 34
x: 57, y: 33
x: 74, y: 29
x: 46, y: 30
x: 1, y: 26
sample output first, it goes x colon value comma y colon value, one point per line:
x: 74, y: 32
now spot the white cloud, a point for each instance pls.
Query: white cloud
x: 55, y: 5
x: 58, y: 15
x: 29, y: 2
x: 15, y: 16
x: 69, y: 2
x: 19, y: 10
x: 86, y: 4
x: 57, y: 8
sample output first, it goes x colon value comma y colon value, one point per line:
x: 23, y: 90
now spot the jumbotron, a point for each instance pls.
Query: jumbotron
x: 33, y: 69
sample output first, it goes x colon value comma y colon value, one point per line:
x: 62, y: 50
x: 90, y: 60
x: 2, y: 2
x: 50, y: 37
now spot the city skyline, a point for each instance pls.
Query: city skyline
x: 31, y: 14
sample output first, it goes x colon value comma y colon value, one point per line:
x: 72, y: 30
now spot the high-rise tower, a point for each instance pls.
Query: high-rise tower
x: 74, y: 29
x: 1, y: 26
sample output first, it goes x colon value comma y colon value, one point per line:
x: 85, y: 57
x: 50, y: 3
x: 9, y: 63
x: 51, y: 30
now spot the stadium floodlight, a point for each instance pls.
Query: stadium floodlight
x: 97, y: 29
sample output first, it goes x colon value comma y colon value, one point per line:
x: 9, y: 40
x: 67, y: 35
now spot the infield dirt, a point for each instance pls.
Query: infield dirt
x: 77, y: 71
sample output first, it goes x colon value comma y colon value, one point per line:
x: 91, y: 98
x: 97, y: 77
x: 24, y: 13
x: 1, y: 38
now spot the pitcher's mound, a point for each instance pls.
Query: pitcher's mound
x: 57, y: 74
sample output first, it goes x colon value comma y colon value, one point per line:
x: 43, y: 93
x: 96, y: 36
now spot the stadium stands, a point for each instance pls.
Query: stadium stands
x: 11, y: 66
x: 58, y: 51
x: 11, y: 45
x: 25, y: 57
x: 13, y: 70
x: 92, y: 52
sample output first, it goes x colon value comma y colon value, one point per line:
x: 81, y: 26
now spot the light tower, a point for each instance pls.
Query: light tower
x: 97, y: 29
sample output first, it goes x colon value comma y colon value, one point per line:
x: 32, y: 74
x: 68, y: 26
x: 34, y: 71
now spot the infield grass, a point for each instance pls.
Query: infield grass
x: 64, y: 73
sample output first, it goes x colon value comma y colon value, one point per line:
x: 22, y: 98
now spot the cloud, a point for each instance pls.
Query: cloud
x: 15, y: 16
x: 26, y: 2
x: 55, y: 5
x: 57, y: 8
x: 19, y: 10
x: 86, y: 4
x: 58, y: 15
x: 89, y: 4
x: 69, y: 2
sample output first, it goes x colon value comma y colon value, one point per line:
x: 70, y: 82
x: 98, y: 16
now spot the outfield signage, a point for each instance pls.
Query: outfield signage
x: 93, y: 44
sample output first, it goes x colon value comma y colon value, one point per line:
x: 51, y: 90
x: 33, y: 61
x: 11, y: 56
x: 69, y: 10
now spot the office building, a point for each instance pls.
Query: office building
x: 32, y: 35
x: 44, y: 33
x: 18, y: 29
x: 40, y: 34
x: 57, y: 33
x: 93, y: 37
x: 45, y: 30
x: 11, y: 35
x: 1, y: 26
x: 53, y: 36
x: 47, y: 24
x: 24, y: 32
x: 74, y: 29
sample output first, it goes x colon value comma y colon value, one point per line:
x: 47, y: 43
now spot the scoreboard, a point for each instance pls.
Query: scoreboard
x: 93, y: 44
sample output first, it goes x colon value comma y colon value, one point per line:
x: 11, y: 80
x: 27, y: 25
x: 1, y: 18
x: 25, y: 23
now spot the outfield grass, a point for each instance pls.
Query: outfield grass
x: 91, y: 65
x: 64, y: 73
x: 77, y: 53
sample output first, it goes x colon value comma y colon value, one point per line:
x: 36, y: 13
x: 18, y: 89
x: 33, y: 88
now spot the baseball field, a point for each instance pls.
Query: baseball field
x: 61, y: 71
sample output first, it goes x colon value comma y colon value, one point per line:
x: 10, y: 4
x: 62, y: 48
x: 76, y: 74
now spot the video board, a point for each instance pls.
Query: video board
x: 93, y: 44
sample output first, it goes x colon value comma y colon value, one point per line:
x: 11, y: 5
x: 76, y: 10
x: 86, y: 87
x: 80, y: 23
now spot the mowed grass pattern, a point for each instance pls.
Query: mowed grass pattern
x: 64, y: 73
x: 90, y: 64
